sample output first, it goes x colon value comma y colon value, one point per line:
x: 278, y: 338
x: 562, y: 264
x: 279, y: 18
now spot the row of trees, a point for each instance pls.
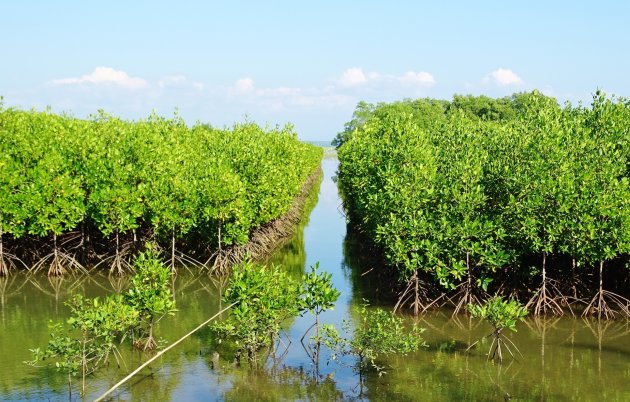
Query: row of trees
x: 109, y: 181
x: 522, y: 189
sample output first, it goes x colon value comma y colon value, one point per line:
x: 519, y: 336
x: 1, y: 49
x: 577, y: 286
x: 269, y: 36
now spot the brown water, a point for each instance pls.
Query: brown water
x: 563, y: 359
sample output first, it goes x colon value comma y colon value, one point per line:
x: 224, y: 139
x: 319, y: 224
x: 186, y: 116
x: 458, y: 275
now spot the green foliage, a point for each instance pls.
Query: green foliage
x: 150, y: 294
x: 501, y: 314
x: 377, y: 334
x: 59, y: 172
x: 469, y: 189
x: 96, y: 326
x: 318, y: 294
x: 90, y: 336
x: 265, y: 297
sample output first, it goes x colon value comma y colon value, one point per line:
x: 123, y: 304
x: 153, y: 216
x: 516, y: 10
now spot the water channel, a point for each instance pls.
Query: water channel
x: 563, y: 359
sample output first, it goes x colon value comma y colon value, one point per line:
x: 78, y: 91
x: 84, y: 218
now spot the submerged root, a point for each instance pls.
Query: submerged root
x: 495, y: 352
x: 118, y: 283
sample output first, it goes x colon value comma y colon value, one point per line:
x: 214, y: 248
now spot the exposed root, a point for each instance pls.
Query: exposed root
x: 9, y: 262
x: 601, y: 303
x: 148, y: 343
x: 119, y: 263
x: 183, y: 260
x: 268, y: 237
x: 419, y: 296
x: 466, y: 293
x: 59, y: 263
x: 548, y: 299
x: 120, y: 266
x: 602, y: 308
x: 68, y: 238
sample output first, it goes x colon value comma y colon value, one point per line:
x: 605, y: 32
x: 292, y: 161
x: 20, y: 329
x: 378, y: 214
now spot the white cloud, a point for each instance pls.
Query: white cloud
x: 244, y: 85
x: 356, y: 76
x: 419, y: 78
x: 179, y: 81
x: 105, y: 76
x: 503, y: 77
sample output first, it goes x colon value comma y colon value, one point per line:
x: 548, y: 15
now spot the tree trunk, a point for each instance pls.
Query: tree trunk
x: 600, y: 303
x: 469, y: 288
x: 416, y: 304
x: 544, y: 270
x: 117, y: 261
x: 4, y: 269
x: 83, y: 253
x: 573, y: 278
x: 543, y: 290
x: 173, y: 249
x: 219, y: 236
x: 55, y: 266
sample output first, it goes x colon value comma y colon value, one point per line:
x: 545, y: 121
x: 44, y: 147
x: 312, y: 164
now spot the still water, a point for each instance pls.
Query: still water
x: 562, y: 359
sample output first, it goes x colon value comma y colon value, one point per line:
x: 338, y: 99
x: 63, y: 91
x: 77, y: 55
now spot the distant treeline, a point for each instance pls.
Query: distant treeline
x: 515, y: 195
x: 75, y: 192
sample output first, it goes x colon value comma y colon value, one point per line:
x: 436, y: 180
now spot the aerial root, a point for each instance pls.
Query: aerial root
x: 601, y: 303
x: 70, y: 237
x: 548, y: 300
x: 417, y: 295
x: 185, y: 260
x: 465, y: 294
x: 9, y: 262
x: 59, y: 263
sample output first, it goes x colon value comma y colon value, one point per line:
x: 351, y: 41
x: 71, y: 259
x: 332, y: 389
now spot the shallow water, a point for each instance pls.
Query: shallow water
x: 562, y: 359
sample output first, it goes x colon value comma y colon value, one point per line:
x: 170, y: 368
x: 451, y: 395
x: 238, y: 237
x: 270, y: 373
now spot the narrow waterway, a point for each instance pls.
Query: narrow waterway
x: 565, y: 359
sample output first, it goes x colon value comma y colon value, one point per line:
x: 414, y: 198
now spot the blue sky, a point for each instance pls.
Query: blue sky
x: 305, y: 63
